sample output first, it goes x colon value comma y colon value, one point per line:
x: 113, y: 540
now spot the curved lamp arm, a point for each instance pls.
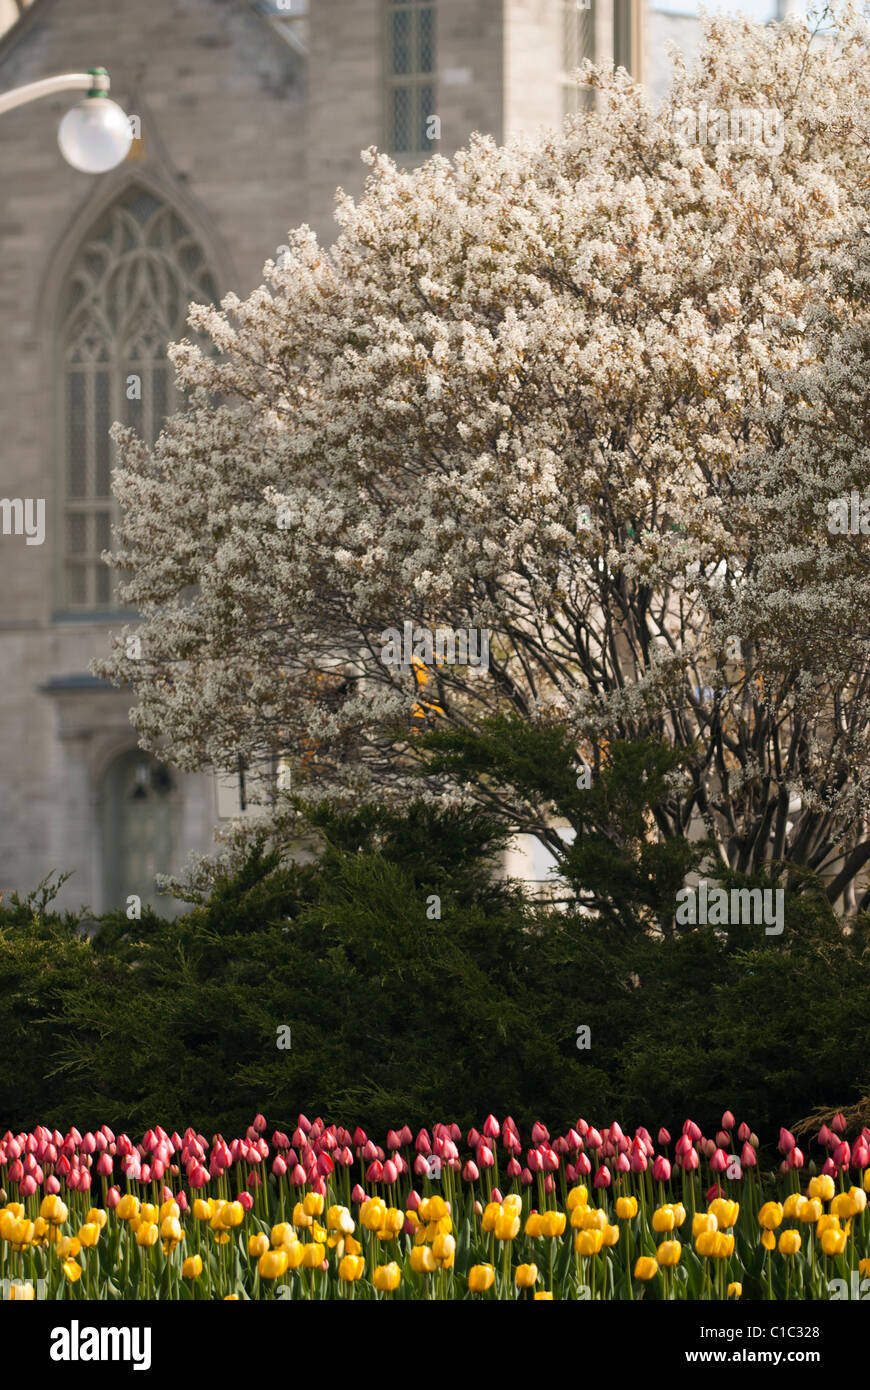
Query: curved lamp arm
x: 95, y: 83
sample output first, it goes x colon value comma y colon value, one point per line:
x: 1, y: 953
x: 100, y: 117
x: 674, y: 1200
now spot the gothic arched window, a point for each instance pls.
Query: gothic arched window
x: 125, y: 298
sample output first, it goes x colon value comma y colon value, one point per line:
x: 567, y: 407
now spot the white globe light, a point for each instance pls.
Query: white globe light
x: 95, y: 136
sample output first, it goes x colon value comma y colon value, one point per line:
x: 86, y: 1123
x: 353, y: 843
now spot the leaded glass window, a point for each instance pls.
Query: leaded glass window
x: 125, y: 299
x: 410, y: 69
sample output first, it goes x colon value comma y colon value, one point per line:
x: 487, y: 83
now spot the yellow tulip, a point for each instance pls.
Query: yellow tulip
x: 809, y: 1210
x: 791, y: 1204
x: 668, y: 1253
x: 24, y: 1293
x: 645, y: 1268
x: 192, y: 1267
x: 513, y: 1203
x: 282, y: 1233
x: 97, y: 1216
x: 481, y: 1278
x: 833, y: 1242
x: 702, y: 1222
x: 534, y: 1225
x: 789, y: 1243
x: 507, y: 1226
x: 842, y: 1205
x: 340, y: 1219
x: 705, y: 1243
x: 52, y: 1209
x: 444, y: 1250
x: 626, y: 1208
x: 72, y: 1271
x: 295, y: 1252
x: 724, y: 1245
x: 258, y: 1245
x: 588, y: 1242
x: 422, y: 1260
x: 170, y: 1208
x: 313, y: 1255
x: 272, y: 1264
x: 387, y: 1277
x: 89, y: 1234
x: 201, y: 1209
x: 372, y: 1214
x: 768, y: 1240
x: 859, y: 1197
x: 663, y: 1219
x: 821, y: 1187
x: 149, y: 1213
x: 301, y: 1219
x: 577, y: 1197
x: 351, y: 1268
x: 313, y: 1204
x: 725, y: 1211
x: 69, y: 1247
x: 864, y: 1267
x: 770, y: 1216
x: 553, y: 1223
x: 147, y: 1234
x: 610, y: 1235
x: 735, y: 1291
x: 543, y: 1297
x: 526, y: 1276
x: 491, y: 1212
x: 679, y: 1215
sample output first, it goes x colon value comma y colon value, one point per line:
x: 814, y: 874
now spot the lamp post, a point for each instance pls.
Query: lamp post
x: 95, y: 135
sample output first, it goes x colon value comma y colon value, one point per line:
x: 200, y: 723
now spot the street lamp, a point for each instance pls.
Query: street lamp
x: 95, y: 135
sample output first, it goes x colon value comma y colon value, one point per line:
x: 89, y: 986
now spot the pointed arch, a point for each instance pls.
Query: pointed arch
x: 122, y: 297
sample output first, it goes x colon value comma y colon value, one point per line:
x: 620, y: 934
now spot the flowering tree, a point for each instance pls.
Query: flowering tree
x: 542, y: 392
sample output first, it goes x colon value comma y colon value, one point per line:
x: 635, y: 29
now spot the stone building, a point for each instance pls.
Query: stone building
x: 249, y: 114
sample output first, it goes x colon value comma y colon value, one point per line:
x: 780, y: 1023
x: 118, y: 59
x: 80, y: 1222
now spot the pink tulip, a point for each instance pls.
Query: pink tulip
x: 359, y: 1194
x: 375, y: 1171
x: 113, y: 1197
x: 471, y: 1172
x: 838, y: 1123
x: 389, y: 1171
x: 743, y: 1132
x: 718, y: 1161
x: 583, y: 1165
x: 297, y: 1176
x: 727, y: 1120
x: 52, y: 1186
x: 690, y: 1160
x: 692, y: 1130
x: 623, y: 1164
x: 526, y: 1178
x: 513, y: 1168
x: 540, y: 1135
x: 795, y: 1158
x: 664, y: 1138
x: 661, y: 1169
x: 842, y: 1155
x: 279, y: 1167
x: 748, y: 1156
x: 602, y: 1178
x: 491, y: 1127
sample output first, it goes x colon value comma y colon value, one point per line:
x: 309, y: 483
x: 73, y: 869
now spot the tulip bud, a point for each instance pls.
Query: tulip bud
x: 664, y: 1138
x: 838, y: 1123
x: 602, y: 1178
x: 727, y: 1121
x: 748, y: 1157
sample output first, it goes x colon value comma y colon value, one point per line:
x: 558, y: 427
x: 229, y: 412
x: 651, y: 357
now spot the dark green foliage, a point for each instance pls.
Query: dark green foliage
x: 397, y: 1016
